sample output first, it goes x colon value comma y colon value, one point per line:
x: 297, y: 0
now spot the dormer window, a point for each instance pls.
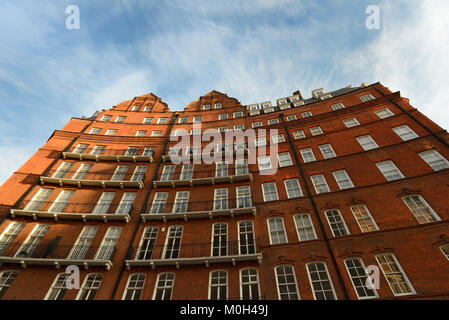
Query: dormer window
x: 307, y: 114
x: 135, y: 108
x: 326, y: 96
x: 266, y: 105
x: 106, y: 118
x: 298, y: 103
x: 317, y: 92
x: 367, y: 98
x: 294, y: 98
x: 282, y: 101
x: 147, y: 109
x: 338, y: 106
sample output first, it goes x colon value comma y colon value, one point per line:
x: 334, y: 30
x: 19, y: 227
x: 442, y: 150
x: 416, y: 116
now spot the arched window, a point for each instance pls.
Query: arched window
x: 6, y: 279
x: 420, y: 209
x: 59, y: 288
x: 134, y: 287
x: 249, y: 284
x: 304, y: 227
x: 90, y: 286
x: 218, y: 285
x: 164, y: 286
x: 320, y: 281
x: 286, y: 283
x: 359, y: 275
x: 445, y: 249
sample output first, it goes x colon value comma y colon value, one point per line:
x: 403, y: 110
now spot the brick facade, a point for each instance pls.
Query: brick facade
x: 414, y: 238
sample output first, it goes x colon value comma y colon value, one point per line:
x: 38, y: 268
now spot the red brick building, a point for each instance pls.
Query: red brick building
x: 362, y: 184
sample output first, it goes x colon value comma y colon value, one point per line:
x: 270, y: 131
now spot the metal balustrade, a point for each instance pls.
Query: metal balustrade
x: 217, y: 155
x: 73, y: 211
x: 93, y: 179
x: 193, y: 253
x: 200, y: 209
x: 233, y: 173
x: 56, y: 254
x: 117, y: 155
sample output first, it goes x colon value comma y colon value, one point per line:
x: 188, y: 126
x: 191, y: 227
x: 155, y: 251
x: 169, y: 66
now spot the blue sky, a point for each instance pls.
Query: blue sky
x: 254, y: 50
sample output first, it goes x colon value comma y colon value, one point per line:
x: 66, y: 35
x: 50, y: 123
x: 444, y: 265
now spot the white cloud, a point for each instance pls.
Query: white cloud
x: 252, y: 62
x: 411, y: 56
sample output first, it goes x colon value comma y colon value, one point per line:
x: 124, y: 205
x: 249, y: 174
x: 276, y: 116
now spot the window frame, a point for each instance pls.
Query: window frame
x: 283, y: 236
x: 276, y: 273
x: 328, y: 278
x: 275, y: 191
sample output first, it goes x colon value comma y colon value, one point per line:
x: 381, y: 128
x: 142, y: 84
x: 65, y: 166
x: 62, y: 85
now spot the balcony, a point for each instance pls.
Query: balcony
x: 204, y: 177
x: 53, y: 254
x: 200, y: 210
x: 116, y: 155
x: 73, y: 211
x: 217, y: 155
x: 101, y: 179
x: 196, y: 254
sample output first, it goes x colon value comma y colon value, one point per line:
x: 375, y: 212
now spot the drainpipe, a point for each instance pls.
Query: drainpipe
x: 315, y: 208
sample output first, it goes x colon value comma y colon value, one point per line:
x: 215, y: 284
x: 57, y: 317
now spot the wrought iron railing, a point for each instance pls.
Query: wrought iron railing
x: 56, y: 251
x: 101, y: 176
x: 200, y: 206
x: 110, y: 152
x: 75, y: 207
x: 179, y: 175
x: 188, y: 250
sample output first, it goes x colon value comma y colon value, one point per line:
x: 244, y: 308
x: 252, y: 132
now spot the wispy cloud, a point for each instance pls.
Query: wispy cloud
x: 253, y: 50
x: 410, y: 56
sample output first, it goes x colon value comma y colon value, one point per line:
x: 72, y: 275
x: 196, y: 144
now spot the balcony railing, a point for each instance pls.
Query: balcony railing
x: 117, y: 155
x: 93, y: 179
x: 204, y: 177
x: 73, y: 211
x: 200, y: 209
x: 214, y: 154
x: 53, y: 254
x: 195, y: 254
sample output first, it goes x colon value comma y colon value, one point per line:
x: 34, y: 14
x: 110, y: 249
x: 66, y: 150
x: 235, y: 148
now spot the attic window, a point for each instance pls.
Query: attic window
x: 206, y: 107
x: 147, y: 109
x: 294, y: 99
x: 282, y: 101
x: 218, y: 106
x: 326, y: 96
x: 338, y: 106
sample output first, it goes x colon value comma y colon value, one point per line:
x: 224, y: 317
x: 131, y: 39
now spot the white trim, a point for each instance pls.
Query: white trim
x: 294, y: 277
x: 328, y: 277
